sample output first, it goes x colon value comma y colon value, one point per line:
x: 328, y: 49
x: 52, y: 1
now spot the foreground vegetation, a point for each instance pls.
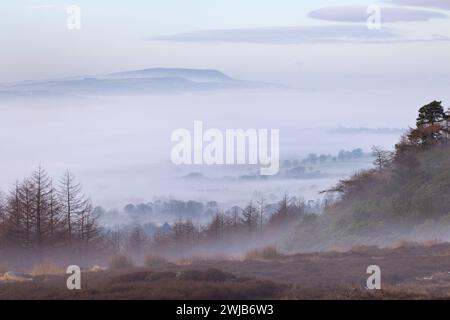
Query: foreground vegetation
x: 409, y: 270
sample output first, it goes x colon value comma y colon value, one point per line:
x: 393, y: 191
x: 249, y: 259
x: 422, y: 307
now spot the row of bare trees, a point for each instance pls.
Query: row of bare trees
x: 256, y: 221
x: 38, y: 213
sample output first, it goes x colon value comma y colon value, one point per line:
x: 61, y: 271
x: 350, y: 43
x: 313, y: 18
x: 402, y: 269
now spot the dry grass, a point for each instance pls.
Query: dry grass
x: 409, y: 272
x: 266, y: 253
x: 47, y: 268
x: 3, y: 269
x: 138, y: 283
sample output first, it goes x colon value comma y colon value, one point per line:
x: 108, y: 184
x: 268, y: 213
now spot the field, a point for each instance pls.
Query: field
x: 408, y: 271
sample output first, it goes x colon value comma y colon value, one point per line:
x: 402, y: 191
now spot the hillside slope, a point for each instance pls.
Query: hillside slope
x: 406, y: 198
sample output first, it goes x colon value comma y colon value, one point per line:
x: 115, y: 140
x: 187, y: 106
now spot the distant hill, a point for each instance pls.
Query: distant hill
x: 137, y: 82
x: 208, y: 75
x: 363, y: 130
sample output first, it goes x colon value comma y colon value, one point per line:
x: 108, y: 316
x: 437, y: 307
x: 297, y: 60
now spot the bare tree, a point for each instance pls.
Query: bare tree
x: 281, y: 215
x: 55, y: 218
x: 216, y: 226
x: 235, y: 214
x: 35, y: 216
x: 137, y: 241
x: 91, y: 229
x: 13, y: 226
x: 40, y: 203
x: 261, y: 202
x: 74, y: 207
x: 382, y: 157
x: 3, y: 217
x: 26, y: 197
x: 250, y: 217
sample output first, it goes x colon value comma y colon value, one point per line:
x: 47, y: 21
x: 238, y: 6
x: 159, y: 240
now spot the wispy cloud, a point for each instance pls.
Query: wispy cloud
x: 359, y: 14
x: 299, y: 35
x: 438, y: 4
x: 288, y: 35
x: 41, y: 6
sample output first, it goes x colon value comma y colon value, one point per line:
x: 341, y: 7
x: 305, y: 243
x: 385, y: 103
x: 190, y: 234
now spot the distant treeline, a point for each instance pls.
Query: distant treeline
x: 162, y: 206
x: 314, y: 158
x: 257, y: 222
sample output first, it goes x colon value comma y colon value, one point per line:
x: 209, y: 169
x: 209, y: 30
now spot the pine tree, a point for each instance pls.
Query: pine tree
x: 430, y: 114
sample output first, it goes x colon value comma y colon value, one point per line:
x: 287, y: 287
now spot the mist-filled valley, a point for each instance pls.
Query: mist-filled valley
x: 90, y: 179
x: 227, y: 151
x: 119, y: 147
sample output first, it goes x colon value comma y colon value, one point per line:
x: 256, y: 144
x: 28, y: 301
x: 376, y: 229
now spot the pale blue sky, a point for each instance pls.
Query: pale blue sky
x: 155, y: 17
x: 115, y: 36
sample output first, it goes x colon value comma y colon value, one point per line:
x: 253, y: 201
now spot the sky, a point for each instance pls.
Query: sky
x: 348, y: 75
x: 302, y: 43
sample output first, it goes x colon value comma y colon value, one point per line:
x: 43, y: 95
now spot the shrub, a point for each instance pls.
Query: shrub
x: 211, y: 275
x: 144, y: 276
x: 161, y: 276
x: 154, y: 261
x: 267, y: 253
x: 131, y: 277
x: 120, y: 262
